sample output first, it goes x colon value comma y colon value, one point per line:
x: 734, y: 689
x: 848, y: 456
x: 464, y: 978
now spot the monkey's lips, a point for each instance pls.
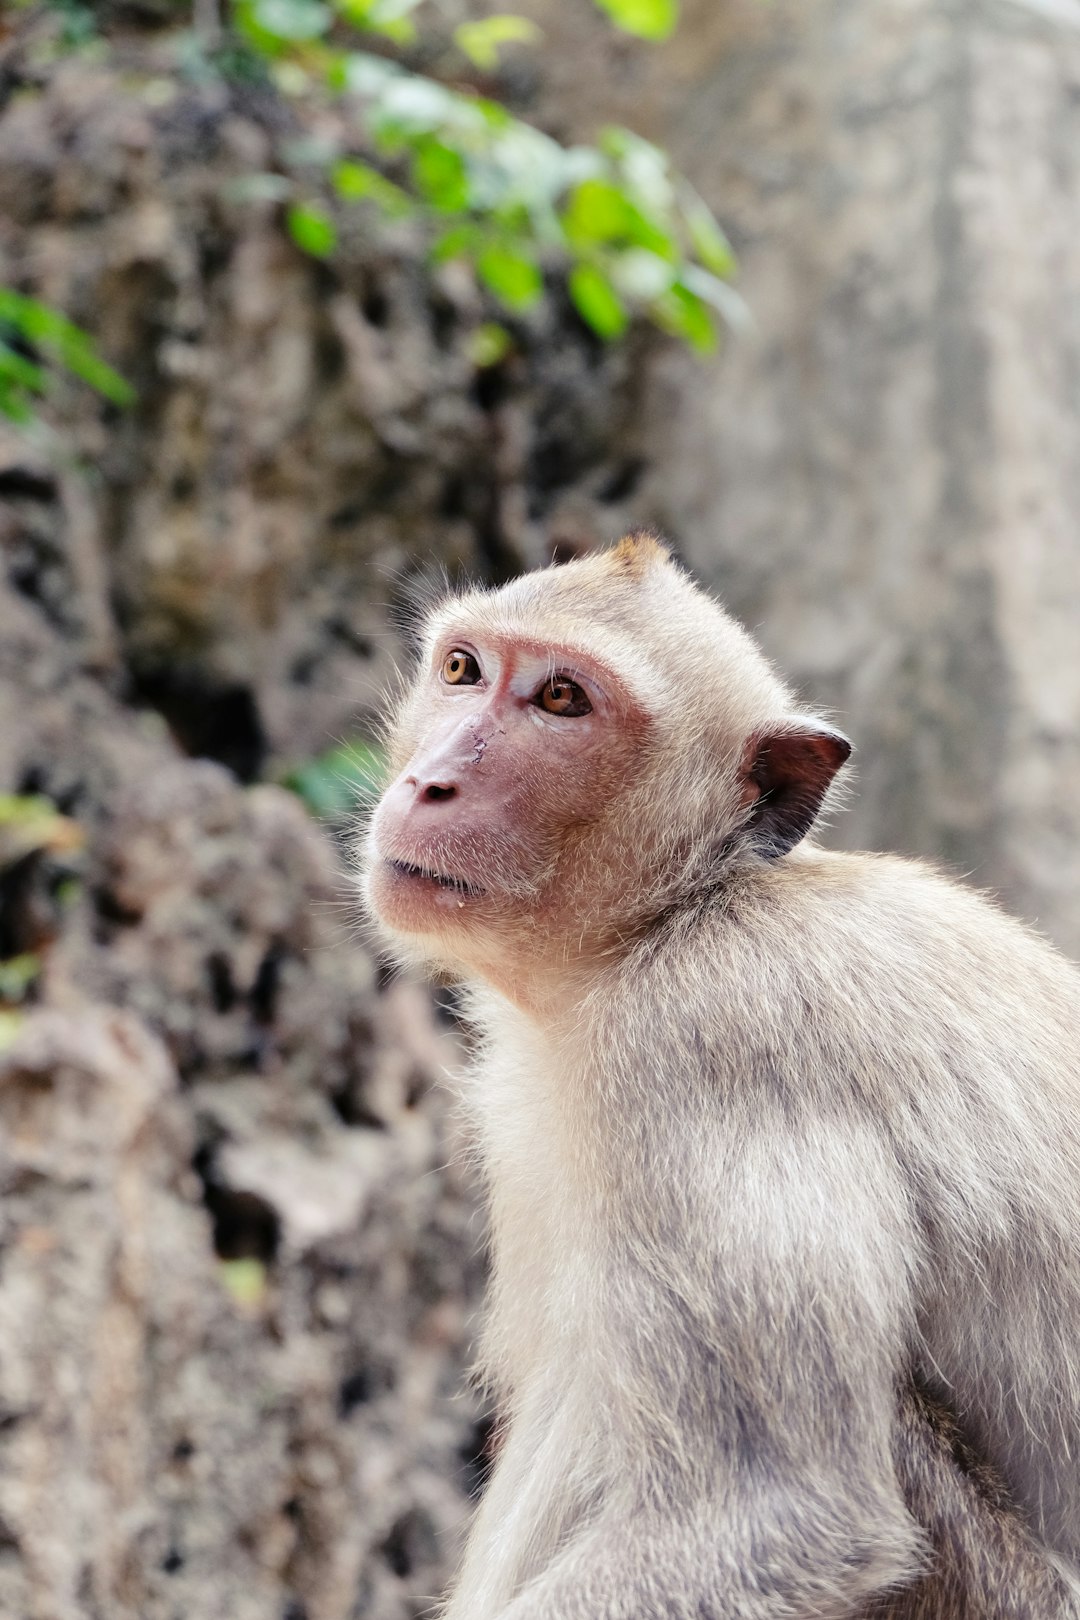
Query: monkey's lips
x: 441, y: 880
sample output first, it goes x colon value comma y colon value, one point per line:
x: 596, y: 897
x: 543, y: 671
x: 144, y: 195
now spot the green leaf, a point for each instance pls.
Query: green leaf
x: 599, y: 212
x: 648, y: 19
x: 391, y: 18
x: 387, y: 17
x: 596, y: 212
x: 245, y: 1281
x: 29, y: 821
x: 408, y: 105
x: 259, y: 187
x: 481, y: 41
x: 27, y: 810
x: 17, y: 975
x: 361, y: 74
x: 644, y: 170
x: 720, y: 294
x: 354, y: 181
x: 10, y: 1025
x: 290, y: 77
x: 596, y: 301
x: 16, y: 370
x: 291, y: 20
x: 69, y: 344
x: 686, y: 316
x: 489, y: 344
x: 515, y: 167
x: 312, y: 229
x: 440, y: 175
x: 495, y: 115
x: 708, y: 241
x: 339, y: 782
x: 81, y: 359
x: 459, y: 242
x: 79, y: 25
x: 641, y: 275
x: 511, y: 275
x: 14, y: 404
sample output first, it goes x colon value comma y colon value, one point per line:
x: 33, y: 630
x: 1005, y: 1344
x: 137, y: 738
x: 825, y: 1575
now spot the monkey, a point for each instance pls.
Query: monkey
x: 781, y: 1144
x: 984, y: 1562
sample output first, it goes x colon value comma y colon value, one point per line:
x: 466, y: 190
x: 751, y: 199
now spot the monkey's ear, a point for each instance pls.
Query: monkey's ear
x: 786, y: 774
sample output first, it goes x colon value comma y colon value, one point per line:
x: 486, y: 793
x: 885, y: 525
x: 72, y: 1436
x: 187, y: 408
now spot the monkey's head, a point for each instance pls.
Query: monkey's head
x: 582, y: 749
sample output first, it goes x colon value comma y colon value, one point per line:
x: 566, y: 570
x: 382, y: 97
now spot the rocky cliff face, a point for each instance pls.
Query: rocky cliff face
x: 237, y: 1268
x: 239, y: 1265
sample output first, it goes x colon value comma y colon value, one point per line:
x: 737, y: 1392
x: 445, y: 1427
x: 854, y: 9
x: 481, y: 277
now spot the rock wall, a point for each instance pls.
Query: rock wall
x: 237, y: 1261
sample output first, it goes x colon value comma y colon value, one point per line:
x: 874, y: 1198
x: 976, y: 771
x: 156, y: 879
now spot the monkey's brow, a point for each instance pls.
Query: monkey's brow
x: 556, y: 653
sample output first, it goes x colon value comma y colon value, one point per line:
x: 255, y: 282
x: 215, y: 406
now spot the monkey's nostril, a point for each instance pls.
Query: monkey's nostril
x: 438, y: 790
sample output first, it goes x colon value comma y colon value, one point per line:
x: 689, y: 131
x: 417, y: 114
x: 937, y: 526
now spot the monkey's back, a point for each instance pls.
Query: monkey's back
x: 833, y: 985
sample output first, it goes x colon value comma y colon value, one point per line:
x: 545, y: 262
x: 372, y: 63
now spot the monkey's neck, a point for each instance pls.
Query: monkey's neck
x: 531, y: 1144
x: 548, y: 983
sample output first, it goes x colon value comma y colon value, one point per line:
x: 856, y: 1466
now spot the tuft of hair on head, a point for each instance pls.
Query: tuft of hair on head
x: 639, y: 551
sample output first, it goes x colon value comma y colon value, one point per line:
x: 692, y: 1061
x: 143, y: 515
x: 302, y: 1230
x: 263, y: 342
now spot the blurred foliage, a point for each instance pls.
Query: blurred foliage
x: 482, y: 41
x: 34, y: 338
x: 345, y: 779
x: 629, y: 235
x: 78, y: 22
x: 39, y: 847
x: 29, y: 822
x: 18, y: 975
x: 10, y: 1025
x: 489, y: 344
x: 626, y: 234
x: 245, y: 1282
x: 650, y: 19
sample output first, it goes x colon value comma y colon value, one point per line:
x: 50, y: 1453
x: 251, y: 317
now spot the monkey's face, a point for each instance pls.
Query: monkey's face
x: 582, y: 747
x: 509, y: 752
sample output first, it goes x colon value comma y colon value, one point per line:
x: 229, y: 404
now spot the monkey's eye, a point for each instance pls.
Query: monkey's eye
x: 561, y: 695
x: 460, y: 668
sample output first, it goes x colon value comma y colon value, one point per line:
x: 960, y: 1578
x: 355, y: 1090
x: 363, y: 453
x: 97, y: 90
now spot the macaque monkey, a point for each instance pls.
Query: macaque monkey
x: 782, y: 1145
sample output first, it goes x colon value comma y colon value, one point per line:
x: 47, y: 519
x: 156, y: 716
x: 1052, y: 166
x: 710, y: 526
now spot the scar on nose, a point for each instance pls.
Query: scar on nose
x: 481, y: 744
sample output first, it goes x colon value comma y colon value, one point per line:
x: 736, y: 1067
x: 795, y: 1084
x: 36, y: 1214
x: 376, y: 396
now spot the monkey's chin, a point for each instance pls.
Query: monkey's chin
x: 415, y: 900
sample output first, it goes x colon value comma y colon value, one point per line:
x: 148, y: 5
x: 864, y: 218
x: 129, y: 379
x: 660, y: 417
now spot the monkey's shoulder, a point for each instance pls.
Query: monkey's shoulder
x: 873, y: 911
x: 859, y: 952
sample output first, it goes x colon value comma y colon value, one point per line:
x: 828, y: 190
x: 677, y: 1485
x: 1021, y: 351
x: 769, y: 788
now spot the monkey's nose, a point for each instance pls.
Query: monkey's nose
x: 432, y: 792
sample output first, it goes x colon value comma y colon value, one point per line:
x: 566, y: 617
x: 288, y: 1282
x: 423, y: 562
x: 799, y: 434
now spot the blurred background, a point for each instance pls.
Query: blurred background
x: 305, y: 304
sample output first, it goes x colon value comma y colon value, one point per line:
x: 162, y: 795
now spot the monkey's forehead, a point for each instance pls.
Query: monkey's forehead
x: 589, y: 601
x: 661, y: 633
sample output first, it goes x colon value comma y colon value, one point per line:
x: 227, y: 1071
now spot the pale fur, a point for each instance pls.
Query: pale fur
x: 782, y: 1138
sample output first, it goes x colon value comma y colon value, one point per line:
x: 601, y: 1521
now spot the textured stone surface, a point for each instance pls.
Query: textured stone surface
x: 209, y: 1073
x: 167, y: 1449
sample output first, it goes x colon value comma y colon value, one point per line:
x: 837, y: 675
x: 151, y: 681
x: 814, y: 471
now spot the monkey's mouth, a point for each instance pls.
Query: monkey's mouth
x: 423, y: 873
